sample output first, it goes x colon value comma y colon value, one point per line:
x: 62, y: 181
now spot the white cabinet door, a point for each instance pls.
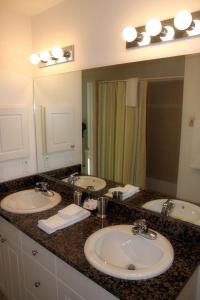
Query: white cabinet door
x: 3, y: 269
x: 65, y: 293
x: 14, y: 268
x: 38, y: 282
x: 10, y: 261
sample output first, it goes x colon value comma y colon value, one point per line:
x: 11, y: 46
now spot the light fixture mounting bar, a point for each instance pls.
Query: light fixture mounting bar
x: 67, y: 57
x: 169, y: 22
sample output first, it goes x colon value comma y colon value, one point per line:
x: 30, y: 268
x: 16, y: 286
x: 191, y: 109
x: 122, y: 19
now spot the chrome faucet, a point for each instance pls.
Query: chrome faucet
x: 73, y: 178
x: 140, y: 228
x: 44, y: 188
x: 167, y: 206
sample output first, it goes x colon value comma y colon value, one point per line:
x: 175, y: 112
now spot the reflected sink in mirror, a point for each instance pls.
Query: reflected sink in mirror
x: 182, y: 210
x: 29, y: 201
x: 116, y: 251
x: 89, y: 181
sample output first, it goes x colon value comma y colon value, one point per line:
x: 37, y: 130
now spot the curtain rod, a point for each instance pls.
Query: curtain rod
x: 145, y: 78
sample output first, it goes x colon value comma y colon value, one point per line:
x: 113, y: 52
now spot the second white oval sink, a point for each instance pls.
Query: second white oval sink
x: 85, y: 181
x: 182, y: 210
x: 114, y: 250
x: 29, y: 201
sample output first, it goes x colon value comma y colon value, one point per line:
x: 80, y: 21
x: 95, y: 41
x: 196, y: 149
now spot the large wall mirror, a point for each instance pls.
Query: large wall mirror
x: 140, y: 123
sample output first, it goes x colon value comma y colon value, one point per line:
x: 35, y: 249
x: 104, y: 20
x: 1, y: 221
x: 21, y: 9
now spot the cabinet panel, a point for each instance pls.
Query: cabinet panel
x: 11, y: 233
x: 38, y: 253
x: 81, y: 284
x: 65, y: 293
x: 38, y: 281
x: 15, y: 272
x: 3, y: 270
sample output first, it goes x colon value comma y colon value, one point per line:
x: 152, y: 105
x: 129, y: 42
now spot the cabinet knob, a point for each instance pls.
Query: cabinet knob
x: 37, y: 284
x: 34, y: 252
x: 72, y: 146
x: 3, y: 240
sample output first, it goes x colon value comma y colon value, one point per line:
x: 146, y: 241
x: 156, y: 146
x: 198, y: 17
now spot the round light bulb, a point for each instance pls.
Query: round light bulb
x: 153, y: 27
x: 57, y: 52
x: 183, y: 20
x: 45, y: 55
x: 196, y: 29
x: 129, y: 34
x: 34, y: 58
x: 146, y: 39
x: 169, y: 35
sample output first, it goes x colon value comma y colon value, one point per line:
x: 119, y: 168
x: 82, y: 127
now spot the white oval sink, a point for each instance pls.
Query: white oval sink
x: 29, y: 201
x: 113, y: 249
x: 182, y: 210
x: 85, y: 181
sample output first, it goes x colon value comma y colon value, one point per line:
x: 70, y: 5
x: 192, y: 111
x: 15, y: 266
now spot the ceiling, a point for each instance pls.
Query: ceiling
x: 29, y: 7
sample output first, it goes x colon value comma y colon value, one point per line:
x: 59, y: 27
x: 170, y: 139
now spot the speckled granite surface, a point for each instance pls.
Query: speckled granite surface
x: 68, y: 243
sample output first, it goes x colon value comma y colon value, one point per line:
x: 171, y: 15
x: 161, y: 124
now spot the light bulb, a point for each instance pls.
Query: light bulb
x: 146, y: 39
x: 153, y: 27
x: 196, y: 29
x: 57, y: 52
x: 34, y: 58
x: 183, y: 20
x: 45, y: 55
x: 169, y: 34
x: 129, y: 34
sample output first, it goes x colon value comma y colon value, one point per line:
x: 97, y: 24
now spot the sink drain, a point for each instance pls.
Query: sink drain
x: 131, y: 267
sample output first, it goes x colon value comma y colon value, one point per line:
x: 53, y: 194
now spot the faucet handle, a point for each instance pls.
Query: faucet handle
x: 42, y: 186
x: 140, y: 225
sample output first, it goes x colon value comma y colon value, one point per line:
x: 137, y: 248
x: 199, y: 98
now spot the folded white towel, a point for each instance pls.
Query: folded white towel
x: 56, y: 222
x: 127, y: 191
x: 70, y: 211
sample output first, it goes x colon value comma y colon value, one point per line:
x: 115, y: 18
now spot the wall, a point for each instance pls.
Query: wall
x: 189, y: 178
x: 164, y: 113
x: 16, y: 82
x: 95, y: 27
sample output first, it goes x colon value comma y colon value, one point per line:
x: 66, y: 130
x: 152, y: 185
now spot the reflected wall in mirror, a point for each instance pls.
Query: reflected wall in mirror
x: 58, y: 120
x: 138, y: 124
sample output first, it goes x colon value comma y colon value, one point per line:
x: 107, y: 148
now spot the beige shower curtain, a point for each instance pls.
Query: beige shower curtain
x: 121, y: 133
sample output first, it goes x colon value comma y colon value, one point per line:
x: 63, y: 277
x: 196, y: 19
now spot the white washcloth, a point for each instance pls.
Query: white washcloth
x: 70, y: 211
x: 127, y: 191
x: 90, y: 204
x: 56, y: 222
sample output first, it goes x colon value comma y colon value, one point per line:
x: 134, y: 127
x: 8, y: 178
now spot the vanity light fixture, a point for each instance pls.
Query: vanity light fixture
x: 184, y: 25
x: 56, y: 56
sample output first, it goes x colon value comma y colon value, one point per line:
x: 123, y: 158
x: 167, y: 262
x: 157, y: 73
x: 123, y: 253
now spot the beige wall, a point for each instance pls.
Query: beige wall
x: 95, y: 27
x: 164, y: 112
x: 188, y: 178
x: 16, y: 82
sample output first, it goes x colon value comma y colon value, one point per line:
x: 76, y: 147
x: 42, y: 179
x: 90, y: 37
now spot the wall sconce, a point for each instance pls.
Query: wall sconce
x: 184, y: 25
x: 56, y: 56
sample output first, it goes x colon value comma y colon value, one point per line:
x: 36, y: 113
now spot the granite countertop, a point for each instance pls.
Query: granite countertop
x: 68, y: 244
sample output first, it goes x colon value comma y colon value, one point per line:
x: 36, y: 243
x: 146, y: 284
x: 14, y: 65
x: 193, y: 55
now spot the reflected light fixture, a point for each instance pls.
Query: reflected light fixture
x: 183, y: 20
x: 57, y: 55
x: 183, y: 25
x: 153, y: 27
x: 195, y: 30
x: 145, y: 39
x: 168, y: 34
